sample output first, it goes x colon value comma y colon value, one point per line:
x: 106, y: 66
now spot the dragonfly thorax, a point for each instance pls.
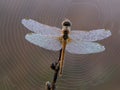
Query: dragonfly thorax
x: 65, y: 34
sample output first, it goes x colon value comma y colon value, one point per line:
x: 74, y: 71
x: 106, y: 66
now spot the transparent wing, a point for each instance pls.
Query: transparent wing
x: 40, y: 28
x: 47, y: 42
x: 93, y: 35
x: 80, y: 47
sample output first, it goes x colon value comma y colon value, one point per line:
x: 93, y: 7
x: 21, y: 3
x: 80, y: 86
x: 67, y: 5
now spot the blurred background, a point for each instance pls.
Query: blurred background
x: 24, y: 66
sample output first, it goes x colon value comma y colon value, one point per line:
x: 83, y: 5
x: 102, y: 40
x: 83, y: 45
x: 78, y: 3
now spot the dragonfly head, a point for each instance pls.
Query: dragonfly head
x: 66, y: 24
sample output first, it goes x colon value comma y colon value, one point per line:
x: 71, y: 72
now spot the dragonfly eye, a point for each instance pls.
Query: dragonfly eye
x: 66, y: 23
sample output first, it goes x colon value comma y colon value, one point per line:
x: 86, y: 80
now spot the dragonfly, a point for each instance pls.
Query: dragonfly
x: 72, y: 41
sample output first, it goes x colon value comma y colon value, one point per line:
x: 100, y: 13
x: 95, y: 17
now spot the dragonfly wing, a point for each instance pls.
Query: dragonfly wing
x: 81, y: 47
x: 44, y: 41
x: 40, y: 28
x: 93, y: 35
